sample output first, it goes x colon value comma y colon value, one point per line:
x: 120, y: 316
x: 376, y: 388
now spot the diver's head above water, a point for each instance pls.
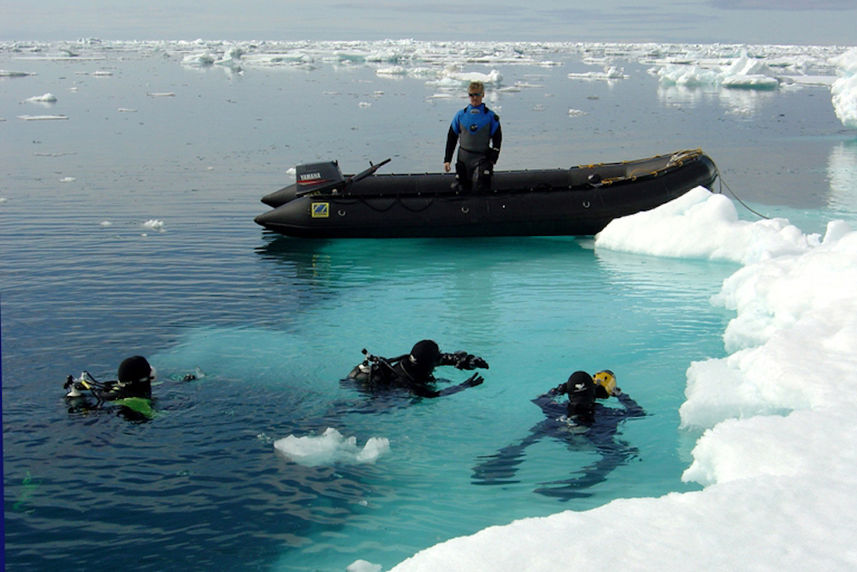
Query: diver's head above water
x: 424, y: 357
x: 581, y: 394
x: 135, y: 376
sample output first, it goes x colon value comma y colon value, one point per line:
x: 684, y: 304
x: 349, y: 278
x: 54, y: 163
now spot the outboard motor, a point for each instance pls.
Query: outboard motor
x: 310, y: 177
x: 313, y: 175
x: 318, y: 178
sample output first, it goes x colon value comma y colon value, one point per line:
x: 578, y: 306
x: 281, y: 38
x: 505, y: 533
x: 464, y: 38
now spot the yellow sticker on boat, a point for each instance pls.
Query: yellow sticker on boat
x: 320, y: 210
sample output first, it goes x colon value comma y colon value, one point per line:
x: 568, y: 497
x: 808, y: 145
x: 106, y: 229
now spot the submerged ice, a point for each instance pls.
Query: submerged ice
x: 775, y: 417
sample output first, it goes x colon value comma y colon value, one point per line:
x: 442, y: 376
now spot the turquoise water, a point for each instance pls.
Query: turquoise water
x: 536, y: 309
x: 272, y: 324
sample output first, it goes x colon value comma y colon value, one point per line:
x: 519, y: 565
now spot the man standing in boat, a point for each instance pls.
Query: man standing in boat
x: 476, y: 130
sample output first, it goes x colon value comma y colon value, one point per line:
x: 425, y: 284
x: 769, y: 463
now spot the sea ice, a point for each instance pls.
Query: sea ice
x: 44, y: 98
x: 844, y: 89
x: 329, y: 448
x: 154, y: 224
x: 776, y: 418
x: 42, y: 117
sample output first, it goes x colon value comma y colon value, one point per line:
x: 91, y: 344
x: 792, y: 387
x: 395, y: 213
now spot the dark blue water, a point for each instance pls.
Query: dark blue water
x: 272, y: 324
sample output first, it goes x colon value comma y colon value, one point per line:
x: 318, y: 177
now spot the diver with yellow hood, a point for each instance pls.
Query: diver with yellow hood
x: 581, y: 422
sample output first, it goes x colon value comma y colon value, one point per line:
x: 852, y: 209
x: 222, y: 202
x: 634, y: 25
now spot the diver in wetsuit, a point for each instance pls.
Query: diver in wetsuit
x: 132, y: 390
x: 581, y: 417
x: 415, y: 371
x: 476, y: 130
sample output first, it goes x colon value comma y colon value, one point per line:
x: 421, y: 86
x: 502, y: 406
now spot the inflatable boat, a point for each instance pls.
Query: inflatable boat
x: 582, y: 200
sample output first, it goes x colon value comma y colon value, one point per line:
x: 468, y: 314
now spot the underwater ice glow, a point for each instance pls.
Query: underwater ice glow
x: 776, y: 415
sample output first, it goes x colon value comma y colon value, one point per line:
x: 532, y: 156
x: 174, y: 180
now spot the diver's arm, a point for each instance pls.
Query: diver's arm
x: 425, y: 391
x: 632, y: 407
x: 548, y: 403
x: 463, y: 360
x: 471, y: 381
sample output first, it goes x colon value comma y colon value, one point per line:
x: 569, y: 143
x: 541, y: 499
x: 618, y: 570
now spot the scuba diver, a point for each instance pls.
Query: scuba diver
x: 476, y: 130
x: 414, y: 371
x: 581, y: 417
x: 132, y: 390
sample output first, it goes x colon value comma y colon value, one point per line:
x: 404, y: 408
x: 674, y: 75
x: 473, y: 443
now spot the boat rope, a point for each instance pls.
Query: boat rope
x: 418, y: 209
x: 735, y: 196
x: 379, y: 209
x: 398, y: 200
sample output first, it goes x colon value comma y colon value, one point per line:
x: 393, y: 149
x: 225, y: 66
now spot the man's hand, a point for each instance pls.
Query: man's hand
x: 464, y: 360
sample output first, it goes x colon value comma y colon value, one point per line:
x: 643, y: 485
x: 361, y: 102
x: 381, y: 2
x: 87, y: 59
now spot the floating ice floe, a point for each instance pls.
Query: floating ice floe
x: 685, y: 75
x: 742, y: 73
x: 330, y: 448
x: 704, y: 225
x: 609, y: 73
x: 844, y: 89
x: 67, y: 180
x: 232, y: 59
x: 453, y: 77
x: 44, y: 98
x: 9, y: 73
x: 161, y: 94
x: 391, y: 71
x: 746, y: 73
x: 154, y: 224
x: 42, y: 117
x: 98, y: 73
x: 205, y: 59
x: 363, y: 566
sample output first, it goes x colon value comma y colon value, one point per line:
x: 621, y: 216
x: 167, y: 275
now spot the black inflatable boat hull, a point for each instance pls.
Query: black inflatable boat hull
x: 578, y: 201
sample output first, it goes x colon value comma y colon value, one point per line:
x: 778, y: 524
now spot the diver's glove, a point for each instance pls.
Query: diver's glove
x: 558, y: 390
x: 464, y: 360
x: 493, y: 155
x: 473, y: 380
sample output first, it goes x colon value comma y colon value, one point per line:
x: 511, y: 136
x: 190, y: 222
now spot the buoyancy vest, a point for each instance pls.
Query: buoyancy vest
x: 475, y: 126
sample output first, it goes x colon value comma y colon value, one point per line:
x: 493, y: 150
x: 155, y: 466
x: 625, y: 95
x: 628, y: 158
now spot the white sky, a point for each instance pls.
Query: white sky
x: 824, y: 22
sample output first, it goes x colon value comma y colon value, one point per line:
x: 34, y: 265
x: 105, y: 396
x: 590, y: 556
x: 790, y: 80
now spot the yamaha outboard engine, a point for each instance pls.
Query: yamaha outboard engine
x: 317, y: 175
x: 310, y: 177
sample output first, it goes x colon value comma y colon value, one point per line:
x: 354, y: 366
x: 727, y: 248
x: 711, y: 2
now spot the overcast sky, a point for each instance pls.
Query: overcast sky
x: 825, y: 22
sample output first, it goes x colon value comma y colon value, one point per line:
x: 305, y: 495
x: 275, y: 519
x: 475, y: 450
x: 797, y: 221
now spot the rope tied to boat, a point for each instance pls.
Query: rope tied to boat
x: 723, y: 183
x: 398, y: 200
